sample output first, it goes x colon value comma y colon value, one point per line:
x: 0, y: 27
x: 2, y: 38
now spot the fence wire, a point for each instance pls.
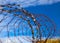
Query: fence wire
x: 17, y: 22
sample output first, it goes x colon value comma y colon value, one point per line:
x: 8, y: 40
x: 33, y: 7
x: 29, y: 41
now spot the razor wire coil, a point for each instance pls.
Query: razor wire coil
x: 25, y: 23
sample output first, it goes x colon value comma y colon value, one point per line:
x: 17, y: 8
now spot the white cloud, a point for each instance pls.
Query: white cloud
x: 14, y: 39
x: 26, y: 3
x: 22, y: 39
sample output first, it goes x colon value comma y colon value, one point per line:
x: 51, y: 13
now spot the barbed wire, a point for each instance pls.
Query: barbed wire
x: 38, y: 20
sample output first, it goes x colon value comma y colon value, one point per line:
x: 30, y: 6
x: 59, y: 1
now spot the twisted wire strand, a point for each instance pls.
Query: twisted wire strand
x: 15, y: 32
x: 26, y: 13
x: 51, y: 29
x: 22, y: 28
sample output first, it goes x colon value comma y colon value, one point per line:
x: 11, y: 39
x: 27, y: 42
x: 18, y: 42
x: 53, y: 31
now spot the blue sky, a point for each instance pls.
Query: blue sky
x: 49, y: 8
x: 52, y: 11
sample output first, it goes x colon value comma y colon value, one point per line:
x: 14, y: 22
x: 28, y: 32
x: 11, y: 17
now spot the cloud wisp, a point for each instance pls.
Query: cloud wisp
x: 18, y: 39
x: 26, y: 3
